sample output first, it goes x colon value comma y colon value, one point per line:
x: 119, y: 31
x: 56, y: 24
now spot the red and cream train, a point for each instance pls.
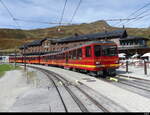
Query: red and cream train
x: 97, y: 58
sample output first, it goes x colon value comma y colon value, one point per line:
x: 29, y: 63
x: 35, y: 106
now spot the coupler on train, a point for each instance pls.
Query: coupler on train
x: 103, y: 73
x: 109, y: 72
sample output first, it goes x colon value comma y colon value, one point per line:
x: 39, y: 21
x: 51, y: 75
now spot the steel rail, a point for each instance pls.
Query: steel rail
x: 74, y: 97
x: 66, y: 83
x: 87, y: 95
x: 136, y: 82
x: 126, y: 83
x: 132, y: 77
x: 57, y: 90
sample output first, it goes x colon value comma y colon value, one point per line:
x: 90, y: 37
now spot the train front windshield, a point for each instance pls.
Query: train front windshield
x: 105, y: 50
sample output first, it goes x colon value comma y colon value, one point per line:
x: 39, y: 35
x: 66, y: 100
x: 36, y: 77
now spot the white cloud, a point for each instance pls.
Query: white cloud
x: 50, y: 11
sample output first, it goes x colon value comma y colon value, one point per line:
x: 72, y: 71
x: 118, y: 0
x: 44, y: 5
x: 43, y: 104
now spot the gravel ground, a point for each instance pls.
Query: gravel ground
x: 27, y: 92
x: 14, y: 84
x: 129, y: 100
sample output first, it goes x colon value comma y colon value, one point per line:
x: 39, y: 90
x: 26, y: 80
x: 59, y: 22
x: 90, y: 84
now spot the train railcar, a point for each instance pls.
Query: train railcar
x: 11, y: 59
x: 17, y: 59
x: 96, y: 58
x: 35, y: 59
x: 99, y: 58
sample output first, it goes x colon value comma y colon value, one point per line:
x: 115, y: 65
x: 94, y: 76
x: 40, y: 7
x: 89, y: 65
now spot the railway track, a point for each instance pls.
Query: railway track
x: 133, y: 84
x: 136, y: 85
x: 56, y: 80
x: 144, y: 85
x: 51, y: 75
x: 89, y: 103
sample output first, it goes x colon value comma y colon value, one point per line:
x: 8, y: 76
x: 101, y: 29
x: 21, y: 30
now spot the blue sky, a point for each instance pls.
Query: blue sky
x: 89, y: 11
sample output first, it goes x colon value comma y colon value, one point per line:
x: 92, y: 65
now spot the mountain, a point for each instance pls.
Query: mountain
x: 12, y: 38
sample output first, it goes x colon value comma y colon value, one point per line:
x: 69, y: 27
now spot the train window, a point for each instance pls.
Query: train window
x: 88, y: 51
x: 66, y: 56
x: 55, y: 57
x: 50, y: 56
x: 97, y: 50
x: 109, y: 50
x: 69, y: 54
x: 79, y: 53
x: 59, y: 56
x: 74, y: 54
x: 63, y: 55
x: 46, y: 58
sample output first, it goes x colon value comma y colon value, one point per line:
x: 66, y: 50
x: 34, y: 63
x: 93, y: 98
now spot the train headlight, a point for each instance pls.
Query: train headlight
x: 97, y: 63
x: 117, y: 61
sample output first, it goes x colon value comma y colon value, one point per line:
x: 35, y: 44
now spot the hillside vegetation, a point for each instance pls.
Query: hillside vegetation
x: 12, y: 38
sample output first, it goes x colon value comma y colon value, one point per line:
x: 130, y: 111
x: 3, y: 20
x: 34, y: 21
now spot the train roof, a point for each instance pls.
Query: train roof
x: 93, y: 42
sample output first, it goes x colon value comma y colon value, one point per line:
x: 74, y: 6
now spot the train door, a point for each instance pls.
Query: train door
x: 88, y: 56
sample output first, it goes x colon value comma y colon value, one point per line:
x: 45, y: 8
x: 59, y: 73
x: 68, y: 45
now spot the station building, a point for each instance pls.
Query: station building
x: 126, y: 44
x: 134, y: 44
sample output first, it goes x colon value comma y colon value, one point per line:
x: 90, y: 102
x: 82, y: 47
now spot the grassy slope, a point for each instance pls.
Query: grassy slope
x: 6, y: 67
x: 11, y: 38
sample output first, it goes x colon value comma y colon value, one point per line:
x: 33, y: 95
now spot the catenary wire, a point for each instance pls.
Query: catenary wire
x: 75, y: 11
x: 62, y: 14
x: 132, y: 14
x: 11, y: 15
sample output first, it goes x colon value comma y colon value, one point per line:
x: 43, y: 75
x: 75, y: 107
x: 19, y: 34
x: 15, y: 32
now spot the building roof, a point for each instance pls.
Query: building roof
x: 99, y: 35
x: 90, y: 37
x: 134, y: 38
x: 24, y: 46
x: 34, y: 43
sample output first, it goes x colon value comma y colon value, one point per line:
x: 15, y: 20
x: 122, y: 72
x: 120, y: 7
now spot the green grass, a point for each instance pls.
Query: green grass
x: 6, y: 67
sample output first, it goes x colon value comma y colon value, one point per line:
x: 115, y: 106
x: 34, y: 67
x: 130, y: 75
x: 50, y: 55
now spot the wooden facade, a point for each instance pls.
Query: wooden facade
x: 126, y: 44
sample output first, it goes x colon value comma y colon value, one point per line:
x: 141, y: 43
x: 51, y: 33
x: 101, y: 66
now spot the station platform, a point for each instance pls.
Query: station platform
x: 135, y: 72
